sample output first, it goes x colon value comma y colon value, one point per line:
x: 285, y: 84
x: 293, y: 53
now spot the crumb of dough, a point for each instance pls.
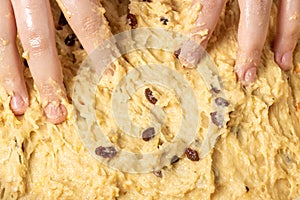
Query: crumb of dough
x: 25, y: 55
x: 294, y: 17
x: 4, y: 42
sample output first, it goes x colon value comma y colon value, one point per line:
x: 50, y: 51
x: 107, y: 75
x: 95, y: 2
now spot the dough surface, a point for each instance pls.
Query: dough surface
x: 256, y: 157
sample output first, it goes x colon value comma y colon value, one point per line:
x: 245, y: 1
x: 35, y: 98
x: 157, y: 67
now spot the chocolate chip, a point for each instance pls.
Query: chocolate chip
x: 192, y: 154
x: 147, y: 1
x: 148, y: 134
x: 70, y: 39
x: 157, y: 173
x: 149, y: 96
x: 174, y: 159
x: 164, y: 20
x: 132, y: 21
x: 216, y: 119
x: 177, y: 53
x: 62, y: 20
x: 247, y: 188
x: 106, y: 152
x: 221, y: 102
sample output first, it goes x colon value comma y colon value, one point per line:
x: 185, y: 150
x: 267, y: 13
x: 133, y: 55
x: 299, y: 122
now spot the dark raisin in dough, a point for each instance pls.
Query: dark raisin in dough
x: 148, y: 134
x: 132, y: 21
x: 62, y: 20
x: 149, y: 96
x: 70, y: 40
x: 158, y: 173
x: 106, y: 152
x: 192, y: 154
x: 221, y: 102
x: 174, y: 159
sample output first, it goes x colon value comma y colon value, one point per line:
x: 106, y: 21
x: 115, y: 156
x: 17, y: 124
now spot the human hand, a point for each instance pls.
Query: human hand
x: 34, y: 21
x: 252, y: 32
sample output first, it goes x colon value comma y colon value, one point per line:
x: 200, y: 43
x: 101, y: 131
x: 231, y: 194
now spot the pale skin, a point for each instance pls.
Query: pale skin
x: 34, y: 22
x: 32, y: 19
x: 252, y: 32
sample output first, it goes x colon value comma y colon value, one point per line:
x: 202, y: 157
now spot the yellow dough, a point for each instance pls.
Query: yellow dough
x: 256, y: 157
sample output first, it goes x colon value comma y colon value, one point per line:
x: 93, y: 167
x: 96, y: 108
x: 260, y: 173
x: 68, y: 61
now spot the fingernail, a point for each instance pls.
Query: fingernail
x: 286, y: 61
x: 55, y: 114
x: 18, y: 105
x: 250, y: 75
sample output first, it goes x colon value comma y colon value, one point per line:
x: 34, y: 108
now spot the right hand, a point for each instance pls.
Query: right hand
x: 252, y: 32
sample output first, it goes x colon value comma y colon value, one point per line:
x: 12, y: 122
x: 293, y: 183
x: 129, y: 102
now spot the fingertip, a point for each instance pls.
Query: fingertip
x: 284, y: 60
x: 191, y: 54
x: 52, y: 94
x: 251, y: 75
x: 19, y: 105
x: 55, y: 114
x: 246, y: 74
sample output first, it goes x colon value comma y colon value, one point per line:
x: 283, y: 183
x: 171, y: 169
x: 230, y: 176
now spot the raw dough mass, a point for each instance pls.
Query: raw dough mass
x: 256, y: 157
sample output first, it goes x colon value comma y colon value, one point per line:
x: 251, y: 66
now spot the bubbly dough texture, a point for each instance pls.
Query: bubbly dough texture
x: 257, y: 156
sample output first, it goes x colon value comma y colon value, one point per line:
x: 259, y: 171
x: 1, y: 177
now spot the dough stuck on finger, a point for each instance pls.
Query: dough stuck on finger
x: 38, y: 40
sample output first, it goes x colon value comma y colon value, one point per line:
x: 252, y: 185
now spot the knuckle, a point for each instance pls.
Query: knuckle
x: 38, y: 43
x: 90, y: 24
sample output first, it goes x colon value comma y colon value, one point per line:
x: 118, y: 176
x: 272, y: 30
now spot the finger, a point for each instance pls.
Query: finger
x: 87, y: 20
x: 288, y: 29
x: 11, y: 74
x: 36, y: 29
x: 253, y: 27
x: 207, y: 19
x: 202, y: 31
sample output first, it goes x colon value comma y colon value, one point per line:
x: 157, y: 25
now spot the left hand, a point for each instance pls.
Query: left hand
x: 34, y: 22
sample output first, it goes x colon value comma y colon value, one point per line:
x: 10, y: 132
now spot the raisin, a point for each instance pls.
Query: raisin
x: 192, y: 154
x: 174, y: 159
x: 164, y: 20
x: 132, y: 21
x: 215, y: 90
x: 221, y: 102
x: 149, y: 96
x: 148, y: 134
x: 62, y: 20
x: 216, y: 119
x: 158, y: 173
x: 177, y: 53
x: 106, y: 152
x: 247, y: 188
x: 70, y: 39
x: 147, y: 1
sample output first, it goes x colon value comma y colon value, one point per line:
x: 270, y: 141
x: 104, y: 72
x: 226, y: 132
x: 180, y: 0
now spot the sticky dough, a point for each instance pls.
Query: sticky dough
x: 256, y: 157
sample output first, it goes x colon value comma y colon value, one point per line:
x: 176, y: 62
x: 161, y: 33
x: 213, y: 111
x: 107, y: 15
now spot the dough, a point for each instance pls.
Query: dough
x: 256, y: 157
